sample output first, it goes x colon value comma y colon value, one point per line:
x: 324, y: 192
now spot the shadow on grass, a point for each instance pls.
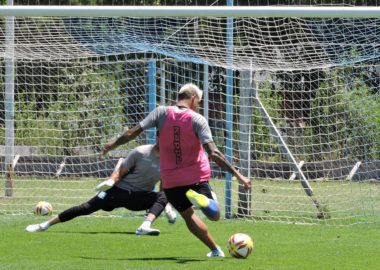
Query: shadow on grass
x: 180, y: 260
x: 71, y: 232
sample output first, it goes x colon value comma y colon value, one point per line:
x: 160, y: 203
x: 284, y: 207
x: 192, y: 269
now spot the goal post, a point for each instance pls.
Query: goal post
x: 191, y: 11
x: 291, y: 95
x: 9, y: 102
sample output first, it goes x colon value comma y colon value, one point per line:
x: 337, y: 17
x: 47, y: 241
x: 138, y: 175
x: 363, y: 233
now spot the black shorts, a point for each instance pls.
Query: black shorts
x: 132, y: 200
x: 177, y: 196
x: 116, y: 197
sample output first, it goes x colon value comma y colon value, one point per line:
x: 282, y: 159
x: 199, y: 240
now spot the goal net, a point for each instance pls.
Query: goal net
x: 293, y: 102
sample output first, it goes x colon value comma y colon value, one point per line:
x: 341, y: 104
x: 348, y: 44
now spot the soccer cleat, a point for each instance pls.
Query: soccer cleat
x: 216, y: 253
x: 35, y: 228
x: 147, y: 231
x: 197, y: 199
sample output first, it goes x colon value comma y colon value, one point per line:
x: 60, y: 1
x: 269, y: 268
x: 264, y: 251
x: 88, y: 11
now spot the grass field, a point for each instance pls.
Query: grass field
x: 110, y: 243
x: 272, y: 200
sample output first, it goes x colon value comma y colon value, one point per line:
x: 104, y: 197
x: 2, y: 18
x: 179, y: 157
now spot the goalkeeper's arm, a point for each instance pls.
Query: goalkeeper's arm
x: 117, y: 174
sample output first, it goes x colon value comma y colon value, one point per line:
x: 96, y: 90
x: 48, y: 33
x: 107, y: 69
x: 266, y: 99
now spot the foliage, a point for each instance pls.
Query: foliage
x: 346, y: 112
x: 265, y: 145
x: 74, y: 114
x: 363, y: 134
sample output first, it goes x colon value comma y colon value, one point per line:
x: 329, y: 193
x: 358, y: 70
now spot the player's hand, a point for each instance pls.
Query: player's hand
x: 107, y: 147
x: 244, y: 181
x: 105, y: 185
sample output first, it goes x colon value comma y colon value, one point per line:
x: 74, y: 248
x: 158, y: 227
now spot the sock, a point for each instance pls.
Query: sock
x: 45, y: 225
x: 146, y: 224
x: 168, y: 208
x: 217, y: 248
x: 212, y: 209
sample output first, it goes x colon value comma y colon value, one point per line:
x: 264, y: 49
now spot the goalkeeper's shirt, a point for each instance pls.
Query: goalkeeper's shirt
x: 143, y: 169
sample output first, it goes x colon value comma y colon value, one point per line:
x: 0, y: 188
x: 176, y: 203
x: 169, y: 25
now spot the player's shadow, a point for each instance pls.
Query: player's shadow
x: 180, y: 260
x: 78, y: 232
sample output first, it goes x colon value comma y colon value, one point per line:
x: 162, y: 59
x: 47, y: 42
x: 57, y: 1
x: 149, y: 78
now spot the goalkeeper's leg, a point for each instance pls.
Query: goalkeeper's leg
x: 155, y: 202
x: 87, y: 208
x: 170, y: 213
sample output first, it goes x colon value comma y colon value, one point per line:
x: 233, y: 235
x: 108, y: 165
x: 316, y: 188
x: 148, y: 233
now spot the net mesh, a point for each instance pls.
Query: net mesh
x: 297, y: 91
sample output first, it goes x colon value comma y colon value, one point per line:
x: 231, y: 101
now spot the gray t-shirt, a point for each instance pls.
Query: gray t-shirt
x: 143, y: 169
x: 157, y: 117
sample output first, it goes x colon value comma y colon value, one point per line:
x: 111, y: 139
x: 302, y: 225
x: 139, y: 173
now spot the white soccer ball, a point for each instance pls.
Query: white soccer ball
x: 43, y: 208
x: 240, y: 245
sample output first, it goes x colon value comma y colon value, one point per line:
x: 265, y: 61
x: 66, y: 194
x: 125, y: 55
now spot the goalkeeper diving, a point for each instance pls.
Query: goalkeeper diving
x: 130, y: 186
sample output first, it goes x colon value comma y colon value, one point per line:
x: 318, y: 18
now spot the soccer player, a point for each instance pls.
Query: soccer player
x: 130, y: 186
x: 185, y: 169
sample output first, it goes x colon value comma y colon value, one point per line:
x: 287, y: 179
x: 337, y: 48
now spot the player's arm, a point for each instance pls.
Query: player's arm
x: 222, y: 162
x: 202, y: 129
x: 150, y: 121
x: 118, y: 173
x: 126, y: 137
x: 121, y: 169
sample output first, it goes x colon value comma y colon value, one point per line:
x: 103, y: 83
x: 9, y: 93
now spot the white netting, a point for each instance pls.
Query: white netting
x: 258, y: 43
x: 302, y: 91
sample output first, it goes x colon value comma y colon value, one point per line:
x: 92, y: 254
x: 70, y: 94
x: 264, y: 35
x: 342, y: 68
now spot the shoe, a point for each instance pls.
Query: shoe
x: 197, y: 199
x: 147, y: 231
x: 35, y: 228
x: 172, y: 216
x: 216, y: 253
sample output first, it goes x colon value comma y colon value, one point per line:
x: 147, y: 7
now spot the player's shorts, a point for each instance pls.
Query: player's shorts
x: 116, y: 197
x: 177, y: 195
x: 133, y: 200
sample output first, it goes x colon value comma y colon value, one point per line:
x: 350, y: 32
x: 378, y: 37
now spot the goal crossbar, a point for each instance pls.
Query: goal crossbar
x: 191, y: 11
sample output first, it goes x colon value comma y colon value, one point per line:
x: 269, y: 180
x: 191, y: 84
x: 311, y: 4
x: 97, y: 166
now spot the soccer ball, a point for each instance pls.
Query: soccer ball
x: 43, y: 208
x: 240, y: 245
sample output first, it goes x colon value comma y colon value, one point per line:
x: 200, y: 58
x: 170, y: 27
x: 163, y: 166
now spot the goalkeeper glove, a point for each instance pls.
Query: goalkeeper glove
x: 105, y: 185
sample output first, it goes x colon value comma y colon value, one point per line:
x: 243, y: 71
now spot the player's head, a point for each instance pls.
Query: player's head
x: 190, y: 93
x: 189, y: 90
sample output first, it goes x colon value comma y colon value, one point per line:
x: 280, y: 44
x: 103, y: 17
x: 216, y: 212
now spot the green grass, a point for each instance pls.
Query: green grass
x: 110, y: 243
x: 271, y: 200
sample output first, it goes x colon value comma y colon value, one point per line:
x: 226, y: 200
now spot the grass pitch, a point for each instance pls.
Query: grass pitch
x: 110, y: 243
x: 106, y: 242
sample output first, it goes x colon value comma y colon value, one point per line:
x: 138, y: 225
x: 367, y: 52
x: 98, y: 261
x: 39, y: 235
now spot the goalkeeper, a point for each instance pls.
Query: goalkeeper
x: 130, y: 186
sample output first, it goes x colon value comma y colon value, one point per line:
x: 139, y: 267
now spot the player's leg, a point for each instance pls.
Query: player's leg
x: 177, y: 197
x: 94, y: 204
x: 157, y: 202
x: 202, y: 196
x: 170, y: 213
x: 142, y: 200
x: 197, y: 227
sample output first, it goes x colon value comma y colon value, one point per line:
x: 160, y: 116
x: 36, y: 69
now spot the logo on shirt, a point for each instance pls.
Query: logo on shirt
x: 177, y: 144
